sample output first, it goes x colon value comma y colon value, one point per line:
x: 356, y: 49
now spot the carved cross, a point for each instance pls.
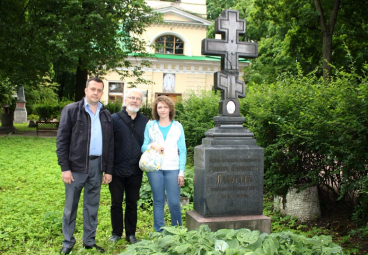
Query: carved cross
x: 229, y: 48
x: 230, y: 84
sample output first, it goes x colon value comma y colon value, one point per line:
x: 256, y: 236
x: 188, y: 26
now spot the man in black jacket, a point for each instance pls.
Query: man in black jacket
x: 129, y: 127
x: 85, y: 149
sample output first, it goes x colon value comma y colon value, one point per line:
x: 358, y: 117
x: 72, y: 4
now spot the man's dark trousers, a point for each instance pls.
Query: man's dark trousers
x: 92, y: 186
x: 130, y: 186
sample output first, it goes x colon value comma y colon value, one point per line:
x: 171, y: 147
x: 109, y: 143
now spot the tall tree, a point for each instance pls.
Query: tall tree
x: 327, y: 29
x: 74, y: 36
x: 320, y: 32
x: 26, y: 29
x: 98, y: 36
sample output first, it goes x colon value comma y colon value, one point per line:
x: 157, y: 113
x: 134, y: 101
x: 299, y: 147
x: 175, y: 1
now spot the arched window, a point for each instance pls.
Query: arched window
x: 169, y: 44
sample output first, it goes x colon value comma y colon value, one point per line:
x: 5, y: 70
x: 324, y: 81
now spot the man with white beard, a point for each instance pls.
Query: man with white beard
x: 128, y: 126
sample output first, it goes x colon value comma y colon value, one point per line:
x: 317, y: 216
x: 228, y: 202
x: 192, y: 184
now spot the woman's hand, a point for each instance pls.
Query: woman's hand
x: 157, y: 147
x: 180, y: 181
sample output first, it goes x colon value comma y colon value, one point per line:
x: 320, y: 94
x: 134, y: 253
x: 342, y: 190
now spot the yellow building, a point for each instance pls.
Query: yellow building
x: 178, y: 66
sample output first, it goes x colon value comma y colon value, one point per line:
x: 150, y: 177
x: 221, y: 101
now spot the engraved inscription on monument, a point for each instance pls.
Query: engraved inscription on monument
x: 231, y: 182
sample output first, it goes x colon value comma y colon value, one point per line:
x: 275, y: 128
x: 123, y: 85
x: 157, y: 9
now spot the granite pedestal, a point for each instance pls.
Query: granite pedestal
x: 228, y: 179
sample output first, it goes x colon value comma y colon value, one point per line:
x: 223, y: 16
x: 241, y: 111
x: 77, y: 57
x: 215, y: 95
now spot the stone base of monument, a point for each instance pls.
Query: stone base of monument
x: 20, y: 116
x: 228, y: 179
x: 252, y: 222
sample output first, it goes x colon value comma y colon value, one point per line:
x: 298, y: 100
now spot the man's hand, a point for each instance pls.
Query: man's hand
x: 107, y: 178
x: 67, y: 177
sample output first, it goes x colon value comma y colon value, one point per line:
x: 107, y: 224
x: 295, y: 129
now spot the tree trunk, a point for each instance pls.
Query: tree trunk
x: 327, y: 54
x: 327, y: 32
x: 81, y: 79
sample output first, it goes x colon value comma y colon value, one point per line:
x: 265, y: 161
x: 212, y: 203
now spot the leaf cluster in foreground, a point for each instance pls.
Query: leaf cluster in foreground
x: 177, y: 240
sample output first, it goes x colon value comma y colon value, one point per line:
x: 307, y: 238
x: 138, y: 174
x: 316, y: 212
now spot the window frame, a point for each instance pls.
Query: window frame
x: 174, y: 45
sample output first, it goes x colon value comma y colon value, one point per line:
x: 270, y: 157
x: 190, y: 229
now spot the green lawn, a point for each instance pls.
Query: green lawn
x: 32, y: 197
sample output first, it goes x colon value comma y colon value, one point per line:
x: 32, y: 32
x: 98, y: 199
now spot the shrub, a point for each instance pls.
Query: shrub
x: 177, y: 240
x: 196, y: 114
x: 146, y: 110
x: 313, y: 132
x: 48, y: 111
x: 33, y: 117
x: 114, y: 107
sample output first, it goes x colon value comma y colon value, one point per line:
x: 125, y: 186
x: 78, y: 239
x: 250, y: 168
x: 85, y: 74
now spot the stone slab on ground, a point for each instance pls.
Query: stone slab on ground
x: 252, y: 222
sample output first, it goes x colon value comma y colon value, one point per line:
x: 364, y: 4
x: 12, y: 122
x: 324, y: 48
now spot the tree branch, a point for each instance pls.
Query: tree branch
x: 334, y: 15
x: 319, y: 8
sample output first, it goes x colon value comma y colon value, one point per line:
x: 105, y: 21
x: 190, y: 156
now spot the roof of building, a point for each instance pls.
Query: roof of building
x: 195, y: 58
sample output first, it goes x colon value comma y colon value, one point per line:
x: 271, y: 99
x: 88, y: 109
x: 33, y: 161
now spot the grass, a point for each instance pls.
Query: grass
x: 32, y: 201
x: 23, y: 127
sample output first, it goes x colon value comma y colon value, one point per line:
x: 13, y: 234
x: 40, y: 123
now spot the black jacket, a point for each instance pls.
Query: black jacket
x: 73, y: 139
x: 127, y: 149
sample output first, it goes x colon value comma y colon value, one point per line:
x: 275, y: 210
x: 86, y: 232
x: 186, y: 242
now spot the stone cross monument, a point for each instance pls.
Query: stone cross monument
x: 230, y: 49
x: 228, y: 165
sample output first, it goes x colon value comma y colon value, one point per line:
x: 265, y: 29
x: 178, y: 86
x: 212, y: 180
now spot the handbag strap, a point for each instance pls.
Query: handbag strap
x: 134, y: 133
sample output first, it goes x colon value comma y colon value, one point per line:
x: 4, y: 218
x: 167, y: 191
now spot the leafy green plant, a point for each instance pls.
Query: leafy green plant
x: 177, y: 240
x: 312, y: 131
x: 114, y: 107
x: 145, y: 193
x: 146, y: 110
x: 187, y: 190
x: 33, y: 117
x: 48, y: 111
x: 196, y: 114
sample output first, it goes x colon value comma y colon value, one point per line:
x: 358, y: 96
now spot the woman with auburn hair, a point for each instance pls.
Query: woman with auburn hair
x: 166, y: 136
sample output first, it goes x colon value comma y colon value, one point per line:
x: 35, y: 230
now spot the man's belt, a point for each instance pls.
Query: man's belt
x: 93, y: 157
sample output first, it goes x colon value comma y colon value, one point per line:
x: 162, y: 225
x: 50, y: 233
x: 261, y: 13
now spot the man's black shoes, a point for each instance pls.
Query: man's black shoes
x: 65, y: 250
x: 100, y: 249
x: 132, y: 239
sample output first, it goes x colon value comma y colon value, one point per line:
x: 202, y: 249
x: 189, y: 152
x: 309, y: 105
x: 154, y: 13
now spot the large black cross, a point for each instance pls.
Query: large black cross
x: 229, y: 48
x: 230, y: 84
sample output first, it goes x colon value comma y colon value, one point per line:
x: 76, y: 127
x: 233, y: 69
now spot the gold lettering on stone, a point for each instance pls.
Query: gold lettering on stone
x: 233, y: 188
x: 242, y: 179
x: 232, y: 160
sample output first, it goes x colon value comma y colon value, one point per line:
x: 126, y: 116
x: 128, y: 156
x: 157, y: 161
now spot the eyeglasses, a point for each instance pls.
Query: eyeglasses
x: 135, y: 98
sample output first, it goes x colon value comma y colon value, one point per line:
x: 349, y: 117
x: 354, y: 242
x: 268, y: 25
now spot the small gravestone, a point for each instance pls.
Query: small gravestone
x: 20, y: 113
x: 7, y: 121
x: 228, y: 165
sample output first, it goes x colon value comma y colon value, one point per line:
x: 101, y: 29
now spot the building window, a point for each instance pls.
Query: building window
x: 169, y: 44
x: 116, y: 92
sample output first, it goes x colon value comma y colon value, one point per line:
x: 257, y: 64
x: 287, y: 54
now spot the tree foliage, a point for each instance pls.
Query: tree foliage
x: 313, y: 132
x: 26, y: 29
x: 104, y: 33
x: 304, y: 30
x: 291, y: 32
x: 72, y: 37
x: 196, y: 114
